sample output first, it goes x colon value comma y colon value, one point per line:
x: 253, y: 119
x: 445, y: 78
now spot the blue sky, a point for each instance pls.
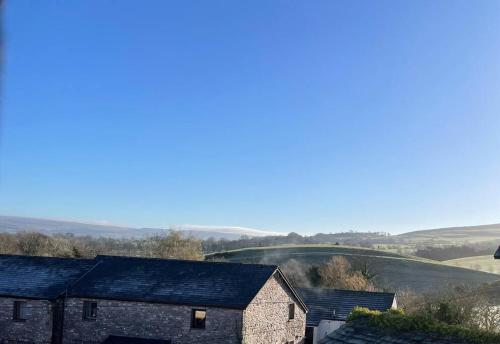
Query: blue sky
x: 312, y: 116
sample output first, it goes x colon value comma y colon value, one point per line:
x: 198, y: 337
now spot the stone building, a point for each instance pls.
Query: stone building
x: 183, y: 301
x: 30, y: 290
x: 138, y: 300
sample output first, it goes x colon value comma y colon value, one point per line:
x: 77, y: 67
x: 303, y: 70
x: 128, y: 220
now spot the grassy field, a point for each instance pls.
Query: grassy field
x: 394, y: 270
x: 480, y: 263
x: 456, y: 235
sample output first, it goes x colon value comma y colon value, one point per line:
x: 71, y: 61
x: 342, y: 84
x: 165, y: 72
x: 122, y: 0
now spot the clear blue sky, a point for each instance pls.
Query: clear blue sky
x: 281, y: 115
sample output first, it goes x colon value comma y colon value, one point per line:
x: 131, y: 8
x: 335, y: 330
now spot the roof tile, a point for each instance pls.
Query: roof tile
x: 228, y: 285
x: 337, y: 304
x: 39, y: 277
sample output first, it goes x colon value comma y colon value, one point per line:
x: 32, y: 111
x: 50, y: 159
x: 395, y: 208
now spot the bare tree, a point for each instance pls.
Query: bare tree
x: 8, y: 244
x: 338, y: 273
x: 33, y: 243
x: 486, y: 314
x: 460, y: 305
x: 175, y: 245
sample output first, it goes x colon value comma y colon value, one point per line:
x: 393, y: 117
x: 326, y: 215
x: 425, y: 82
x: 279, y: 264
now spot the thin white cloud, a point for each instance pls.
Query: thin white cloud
x: 226, y: 229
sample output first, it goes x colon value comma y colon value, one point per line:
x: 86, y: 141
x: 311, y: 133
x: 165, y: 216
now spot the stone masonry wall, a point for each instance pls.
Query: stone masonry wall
x: 37, y: 328
x: 149, y: 320
x: 266, y: 318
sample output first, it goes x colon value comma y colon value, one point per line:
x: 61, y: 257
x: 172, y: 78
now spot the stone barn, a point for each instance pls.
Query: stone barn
x: 183, y: 302
x: 117, y: 300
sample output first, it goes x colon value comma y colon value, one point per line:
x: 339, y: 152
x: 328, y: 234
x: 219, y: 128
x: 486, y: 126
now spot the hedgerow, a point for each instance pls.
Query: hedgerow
x: 397, y: 320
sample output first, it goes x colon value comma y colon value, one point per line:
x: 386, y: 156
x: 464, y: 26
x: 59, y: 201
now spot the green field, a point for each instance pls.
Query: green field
x: 394, y: 271
x: 479, y: 263
x: 453, y: 235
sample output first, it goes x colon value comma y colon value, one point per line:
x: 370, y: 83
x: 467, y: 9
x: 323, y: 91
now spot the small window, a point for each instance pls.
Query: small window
x: 291, y: 311
x: 20, y: 311
x: 198, y: 318
x: 89, y: 310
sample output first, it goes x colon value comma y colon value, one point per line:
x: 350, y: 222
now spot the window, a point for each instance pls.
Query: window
x: 291, y: 311
x: 198, y: 317
x: 20, y: 313
x: 89, y: 310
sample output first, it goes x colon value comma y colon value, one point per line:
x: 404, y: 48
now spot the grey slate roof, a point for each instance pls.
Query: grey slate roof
x: 360, y: 332
x: 336, y: 304
x: 227, y: 285
x: 497, y: 253
x: 39, y: 277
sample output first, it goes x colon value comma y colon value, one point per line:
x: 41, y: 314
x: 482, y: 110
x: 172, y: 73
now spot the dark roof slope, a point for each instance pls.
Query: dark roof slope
x: 336, y: 304
x: 360, y: 331
x: 497, y: 253
x: 227, y: 285
x: 39, y: 277
x: 133, y: 340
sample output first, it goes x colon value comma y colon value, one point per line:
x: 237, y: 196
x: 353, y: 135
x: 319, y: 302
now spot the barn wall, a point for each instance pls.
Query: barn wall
x: 149, y: 320
x: 37, y: 328
x: 265, y: 321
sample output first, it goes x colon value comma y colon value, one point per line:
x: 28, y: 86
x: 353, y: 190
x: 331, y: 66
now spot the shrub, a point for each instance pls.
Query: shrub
x: 397, y: 320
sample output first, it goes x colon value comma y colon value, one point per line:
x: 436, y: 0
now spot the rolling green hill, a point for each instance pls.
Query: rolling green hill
x: 394, y: 271
x: 466, y: 234
x: 480, y: 263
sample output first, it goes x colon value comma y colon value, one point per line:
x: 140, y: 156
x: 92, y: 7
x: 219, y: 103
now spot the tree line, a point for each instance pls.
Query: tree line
x: 171, y: 245
x: 351, y: 238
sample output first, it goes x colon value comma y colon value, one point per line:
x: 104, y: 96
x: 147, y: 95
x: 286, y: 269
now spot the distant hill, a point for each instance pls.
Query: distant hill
x: 14, y: 224
x: 440, y: 236
x: 466, y: 234
x: 393, y: 270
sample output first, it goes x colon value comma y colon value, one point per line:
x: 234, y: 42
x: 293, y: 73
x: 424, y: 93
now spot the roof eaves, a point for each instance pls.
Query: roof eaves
x: 317, y: 321
x: 28, y: 297
x: 112, y: 298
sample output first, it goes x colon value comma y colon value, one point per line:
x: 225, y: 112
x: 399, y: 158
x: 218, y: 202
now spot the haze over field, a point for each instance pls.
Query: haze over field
x: 392, y: 270
x: 457, y: 235
x: 51, y: 226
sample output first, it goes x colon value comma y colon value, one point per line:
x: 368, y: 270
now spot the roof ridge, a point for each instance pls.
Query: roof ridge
x: 185, y: 260
x: 348, y: 290
x: 25, y: 256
